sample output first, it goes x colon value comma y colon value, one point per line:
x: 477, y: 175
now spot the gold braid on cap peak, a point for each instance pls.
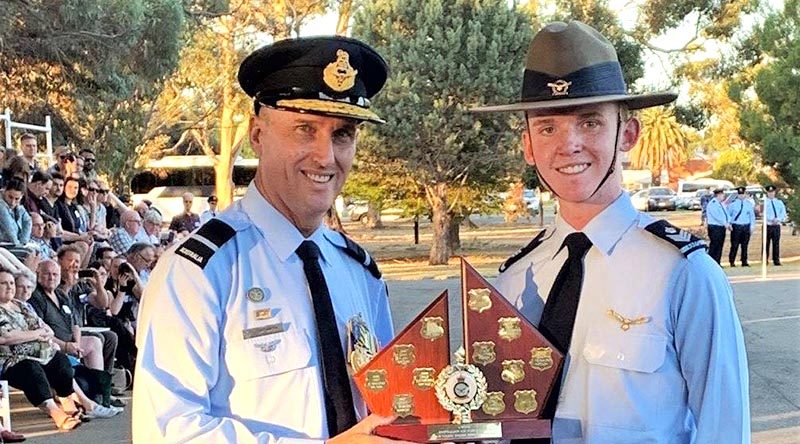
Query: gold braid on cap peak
x: 325, y: 106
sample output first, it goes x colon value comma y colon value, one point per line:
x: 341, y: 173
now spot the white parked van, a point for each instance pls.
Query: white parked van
x: 687, y: 189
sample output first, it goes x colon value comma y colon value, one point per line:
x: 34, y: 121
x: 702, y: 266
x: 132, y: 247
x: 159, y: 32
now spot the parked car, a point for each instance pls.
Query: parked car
x: 357, y: 211
x: 531, y: 201
x: 695, y: 202
x: 654, y: 199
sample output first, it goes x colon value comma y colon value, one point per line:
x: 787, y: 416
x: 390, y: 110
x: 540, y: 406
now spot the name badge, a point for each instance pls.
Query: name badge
x: 263, y: 331
x: 66, y: 309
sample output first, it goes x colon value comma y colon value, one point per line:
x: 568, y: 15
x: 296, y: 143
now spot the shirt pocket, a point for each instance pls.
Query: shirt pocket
x: 271, y: 355
x: 625, y: 350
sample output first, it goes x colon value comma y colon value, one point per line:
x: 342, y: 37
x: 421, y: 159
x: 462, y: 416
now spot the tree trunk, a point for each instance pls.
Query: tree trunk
x: 454, y: 235
x: 440, y: 248
x: 373, y: 217
x: 345, y: 12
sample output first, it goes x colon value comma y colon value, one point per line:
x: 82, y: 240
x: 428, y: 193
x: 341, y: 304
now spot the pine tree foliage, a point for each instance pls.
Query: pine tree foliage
x: 447, y: 56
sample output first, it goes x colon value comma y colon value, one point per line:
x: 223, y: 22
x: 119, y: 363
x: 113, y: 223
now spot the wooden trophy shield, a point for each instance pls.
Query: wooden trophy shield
x: 495, y: 389
x: 399, y: 380
x: 520, y: 365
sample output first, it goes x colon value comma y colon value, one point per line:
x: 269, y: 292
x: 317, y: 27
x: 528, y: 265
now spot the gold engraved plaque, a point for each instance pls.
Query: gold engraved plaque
x: 494, y: 404
x: 483, y: 352
x: 424, y: 378
x: 479, y: 299
x: 403, y: 405
x: 541, y: 358
x: 510, y: 328
x: 432, y: 328
x: 404, y: 354
x: 513, y: 371
x: 376, y: 380
x: 525, y: 401
x: 472, y: 431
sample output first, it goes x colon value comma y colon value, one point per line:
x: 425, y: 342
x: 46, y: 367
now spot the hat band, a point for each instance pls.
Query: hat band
x: 597, y: 80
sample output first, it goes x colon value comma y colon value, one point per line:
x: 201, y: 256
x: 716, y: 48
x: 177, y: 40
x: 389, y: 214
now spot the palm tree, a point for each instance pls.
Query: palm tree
x: 663, y: 144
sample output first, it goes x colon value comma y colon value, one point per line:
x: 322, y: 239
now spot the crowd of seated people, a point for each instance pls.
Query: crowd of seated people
x: 74, y: 260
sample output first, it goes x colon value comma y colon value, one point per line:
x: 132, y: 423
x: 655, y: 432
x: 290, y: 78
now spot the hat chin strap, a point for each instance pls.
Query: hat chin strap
x: 611, y: 167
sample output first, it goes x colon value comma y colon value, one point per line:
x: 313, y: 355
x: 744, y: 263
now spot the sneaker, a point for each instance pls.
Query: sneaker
x: 102, y: 412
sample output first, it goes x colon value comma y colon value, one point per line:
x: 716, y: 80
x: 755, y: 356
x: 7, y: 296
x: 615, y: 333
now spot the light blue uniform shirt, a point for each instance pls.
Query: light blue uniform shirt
x: 774, y: 211
x: 680, y: 376
x: 716, y: 214
x: 742, y: 212
x: 199, y: 379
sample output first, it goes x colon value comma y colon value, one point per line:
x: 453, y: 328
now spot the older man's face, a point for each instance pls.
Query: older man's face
x: 37, y: 225
x: 131, y: 221
x: 49, y: 275
x: 304, y: 160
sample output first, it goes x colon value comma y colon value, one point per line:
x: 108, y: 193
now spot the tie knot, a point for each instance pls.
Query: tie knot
x: 577, y: 244
x: 308, y: 250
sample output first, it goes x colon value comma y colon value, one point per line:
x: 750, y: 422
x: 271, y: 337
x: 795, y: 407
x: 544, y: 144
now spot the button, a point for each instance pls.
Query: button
x: 620, y: 356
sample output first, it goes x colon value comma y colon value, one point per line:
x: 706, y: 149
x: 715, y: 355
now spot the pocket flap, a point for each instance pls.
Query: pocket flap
x: 273, y: 354
x: 625, y: 350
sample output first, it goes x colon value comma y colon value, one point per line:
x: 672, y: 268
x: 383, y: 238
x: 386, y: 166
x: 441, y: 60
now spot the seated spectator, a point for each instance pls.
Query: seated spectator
x: 211, y: 212
x: 28, y: 145
x: 73, y: 222
x: 64, y: 162
x: 47, y: 206
x: 29, y: 359
x: 17, y: 167
x: 24, y: 291
x: 57, y: 310
x: 15, y: 223
x: 105, y: 255
x: 187, y: 221
x: 104, y: 315
x: 123, y: 237
x: 38, y: 187
x: 111, y: 203
x: 98, y: 197
x: 89, y: 163
x: 42, y: 235
x: 151, y: 228
x: 83, y: 292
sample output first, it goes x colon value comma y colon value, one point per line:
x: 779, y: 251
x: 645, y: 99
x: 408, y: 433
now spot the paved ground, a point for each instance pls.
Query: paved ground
x: 770, y: 313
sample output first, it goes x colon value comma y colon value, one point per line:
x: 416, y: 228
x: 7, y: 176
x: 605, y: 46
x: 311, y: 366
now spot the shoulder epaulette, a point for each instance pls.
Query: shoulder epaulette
x: 682, y: 240
x: 360, y: 255
x: 523, y: 251
x: 206, y: 241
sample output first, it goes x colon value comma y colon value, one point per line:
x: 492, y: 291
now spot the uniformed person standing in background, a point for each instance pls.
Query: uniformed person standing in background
x: 718, y: 222
x: 244, y: 325
x: 742, y: 215
x: 775, y: 214
x: 655, y: 351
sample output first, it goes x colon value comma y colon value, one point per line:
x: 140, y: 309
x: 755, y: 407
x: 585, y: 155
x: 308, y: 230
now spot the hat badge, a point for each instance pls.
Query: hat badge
x: 339, y: 75
x: 560, y: 87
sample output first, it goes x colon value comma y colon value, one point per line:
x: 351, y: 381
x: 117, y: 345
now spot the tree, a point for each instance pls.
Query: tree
x: 201, y: 105
x: 446, y: 56
x: 770, y: 119
x: 735, y: 165
x: 94, y: 66
x: 662, y: 144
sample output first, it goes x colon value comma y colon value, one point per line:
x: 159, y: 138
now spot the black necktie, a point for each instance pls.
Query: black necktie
x: 558, y: 316
x: 774, y: 211
x: 741, y: 208
x: 338, y: 397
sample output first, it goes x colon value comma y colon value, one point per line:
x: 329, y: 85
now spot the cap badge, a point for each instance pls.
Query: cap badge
x: 339, y: 75
x: 560, y: 87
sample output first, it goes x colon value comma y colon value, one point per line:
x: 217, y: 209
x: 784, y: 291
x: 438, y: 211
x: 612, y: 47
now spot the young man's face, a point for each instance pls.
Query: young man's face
x: 573, y: 149
x: 39, y: 189
x: 28, y: 148
x: 304, y: 160
x: 89, y: 161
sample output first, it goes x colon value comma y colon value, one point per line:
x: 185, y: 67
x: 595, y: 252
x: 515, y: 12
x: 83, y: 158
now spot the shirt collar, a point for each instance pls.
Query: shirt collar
x: 281, y: 235
x: 604, y: 230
